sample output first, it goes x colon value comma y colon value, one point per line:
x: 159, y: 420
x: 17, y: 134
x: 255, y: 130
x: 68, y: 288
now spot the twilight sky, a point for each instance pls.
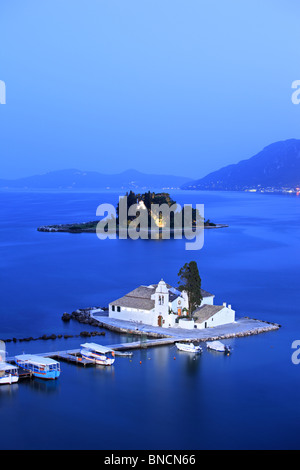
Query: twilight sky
x: 162, y: 86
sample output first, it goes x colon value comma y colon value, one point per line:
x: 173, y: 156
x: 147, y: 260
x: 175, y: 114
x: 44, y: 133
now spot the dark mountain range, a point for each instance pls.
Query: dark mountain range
x: 276, y: 167
x: 75, y: 179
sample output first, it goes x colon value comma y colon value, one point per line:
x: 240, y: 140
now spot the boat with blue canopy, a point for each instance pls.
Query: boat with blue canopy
x: 41, y: 367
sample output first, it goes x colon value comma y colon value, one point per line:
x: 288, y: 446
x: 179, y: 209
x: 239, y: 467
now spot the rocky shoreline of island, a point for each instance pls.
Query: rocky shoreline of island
x: 97, y: 317
x: 242, y: 327
x: 158, y: 216
x: 91, y: 227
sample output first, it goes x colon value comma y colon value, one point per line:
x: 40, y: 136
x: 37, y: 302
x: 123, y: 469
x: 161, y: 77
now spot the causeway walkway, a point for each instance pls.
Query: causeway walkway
x: 240, y: 328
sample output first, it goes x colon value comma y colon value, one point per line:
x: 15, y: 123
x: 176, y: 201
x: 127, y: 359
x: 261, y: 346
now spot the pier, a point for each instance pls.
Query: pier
x: 73, y: 355
x: 24, y: 374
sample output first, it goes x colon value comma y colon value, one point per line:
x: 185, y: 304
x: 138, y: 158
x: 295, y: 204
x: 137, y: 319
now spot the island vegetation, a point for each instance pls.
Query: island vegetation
x: 190, y: 282
x: 144, y: 201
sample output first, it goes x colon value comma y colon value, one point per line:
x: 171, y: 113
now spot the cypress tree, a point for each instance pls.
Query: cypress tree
x: 190, y: 282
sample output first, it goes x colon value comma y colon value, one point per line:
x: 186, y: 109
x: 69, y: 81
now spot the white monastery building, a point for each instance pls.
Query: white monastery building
x: 163, y: 305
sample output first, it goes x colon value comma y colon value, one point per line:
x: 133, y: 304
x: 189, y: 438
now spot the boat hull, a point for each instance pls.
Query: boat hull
x: 51, y: 375
x: 218, y: 347
x: 189, y: 349
x: 101, y: 360
x: 41, y: 374
x: 9, y: 379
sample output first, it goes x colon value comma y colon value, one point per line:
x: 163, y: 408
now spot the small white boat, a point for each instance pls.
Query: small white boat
x: 188, y: 347
x: 98, y: 354
x: 8, y: 373
x: 123, y: 354
x: 218, y: 346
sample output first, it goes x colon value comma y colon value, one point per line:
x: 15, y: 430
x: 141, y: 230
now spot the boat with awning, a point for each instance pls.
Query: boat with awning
x: 8, y: 373
x: 97, y: 353
x: 41, y: 367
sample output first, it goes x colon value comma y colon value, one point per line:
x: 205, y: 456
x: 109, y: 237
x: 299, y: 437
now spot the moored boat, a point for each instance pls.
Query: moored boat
x: 40, y: 367
x: 98, y: 354
x: 8, y: 373
x: 188, y: 347
x: 218, y: 346
x: 123, y: 354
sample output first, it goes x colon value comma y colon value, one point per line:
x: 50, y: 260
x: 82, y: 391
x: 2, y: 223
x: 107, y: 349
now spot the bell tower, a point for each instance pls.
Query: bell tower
x: 161, y: 298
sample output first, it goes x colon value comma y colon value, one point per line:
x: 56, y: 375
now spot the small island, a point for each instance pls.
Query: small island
x: 146, y: 202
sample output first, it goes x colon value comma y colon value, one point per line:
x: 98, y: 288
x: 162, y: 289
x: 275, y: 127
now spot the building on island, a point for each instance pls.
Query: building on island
x: 208, y: 316
x: 163, y: 305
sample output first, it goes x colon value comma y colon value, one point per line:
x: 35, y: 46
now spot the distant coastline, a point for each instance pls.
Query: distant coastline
x: 274, y: 170
x: 258, y: 189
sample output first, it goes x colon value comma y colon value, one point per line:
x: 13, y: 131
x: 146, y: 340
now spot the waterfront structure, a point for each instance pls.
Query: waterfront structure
x: 209, y: 316
x: 156, y: 305
x: 162, y: 305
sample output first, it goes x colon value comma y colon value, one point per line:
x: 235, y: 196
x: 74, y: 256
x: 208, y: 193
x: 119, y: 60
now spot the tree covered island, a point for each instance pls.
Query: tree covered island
x: 158, y: 210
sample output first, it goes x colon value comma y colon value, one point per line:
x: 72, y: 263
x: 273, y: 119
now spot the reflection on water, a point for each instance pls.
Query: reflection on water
x: 148, y: 395
x: 6, y: 390
x: 190, y: 362
x: 107, y: 371
x: 43, y: 386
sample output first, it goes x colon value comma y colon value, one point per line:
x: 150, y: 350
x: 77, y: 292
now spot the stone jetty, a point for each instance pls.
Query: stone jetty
x: 240, y: 328
x: 97, y: 317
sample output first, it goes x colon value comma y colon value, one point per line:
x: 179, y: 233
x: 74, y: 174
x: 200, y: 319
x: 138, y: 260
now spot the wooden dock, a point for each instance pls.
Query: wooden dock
x: 24, y: 374
x: 68, y: 356
x: 73, y: 355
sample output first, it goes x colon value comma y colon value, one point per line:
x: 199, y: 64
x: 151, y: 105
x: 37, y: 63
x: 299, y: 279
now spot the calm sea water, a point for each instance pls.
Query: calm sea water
x: 170, y: 400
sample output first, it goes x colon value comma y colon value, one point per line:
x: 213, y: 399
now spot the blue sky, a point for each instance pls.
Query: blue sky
x: 162, y: 86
